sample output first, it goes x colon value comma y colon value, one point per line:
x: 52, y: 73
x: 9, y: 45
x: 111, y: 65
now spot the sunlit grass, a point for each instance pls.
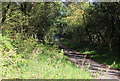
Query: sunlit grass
x: 39, y: 62
x: 89, y: 52
x: 57, y: 69
x: 48, y: 65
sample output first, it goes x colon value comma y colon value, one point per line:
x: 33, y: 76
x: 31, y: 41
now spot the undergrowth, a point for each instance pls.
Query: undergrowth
x: 23, y: 57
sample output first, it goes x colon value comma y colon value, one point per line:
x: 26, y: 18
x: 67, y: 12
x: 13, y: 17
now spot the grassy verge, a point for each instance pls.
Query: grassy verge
x: 100, y: 54
x: 54, y: 66
x: 26, y: 59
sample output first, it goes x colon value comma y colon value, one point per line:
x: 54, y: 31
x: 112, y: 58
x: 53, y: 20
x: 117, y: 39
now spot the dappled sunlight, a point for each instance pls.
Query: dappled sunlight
x: 60, y: 40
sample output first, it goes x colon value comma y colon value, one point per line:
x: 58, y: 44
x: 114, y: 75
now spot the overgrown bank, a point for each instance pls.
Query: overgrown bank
x: 24, y: 57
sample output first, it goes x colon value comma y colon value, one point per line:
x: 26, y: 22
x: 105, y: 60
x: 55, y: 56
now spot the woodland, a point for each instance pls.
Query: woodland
x: 27, y: 37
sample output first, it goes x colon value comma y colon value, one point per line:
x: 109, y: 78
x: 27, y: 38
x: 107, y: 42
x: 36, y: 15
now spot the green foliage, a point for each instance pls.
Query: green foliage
x: 11, y: 61
x: 90, y: 25
x: 36, y: 61
x: 5, y: 44
x: 96, y: 32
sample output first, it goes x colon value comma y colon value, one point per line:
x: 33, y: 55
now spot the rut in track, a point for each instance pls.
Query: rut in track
x: 99, y: 71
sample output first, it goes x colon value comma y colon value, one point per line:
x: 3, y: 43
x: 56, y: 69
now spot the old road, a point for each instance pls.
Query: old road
x: 99, y: 71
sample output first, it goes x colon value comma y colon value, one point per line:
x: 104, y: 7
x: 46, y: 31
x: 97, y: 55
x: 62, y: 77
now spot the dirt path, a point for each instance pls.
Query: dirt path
x: 99, y: 71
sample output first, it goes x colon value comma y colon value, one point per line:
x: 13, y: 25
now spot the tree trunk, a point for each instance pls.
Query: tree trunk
x: 5, y: 13
x: 86, y: 29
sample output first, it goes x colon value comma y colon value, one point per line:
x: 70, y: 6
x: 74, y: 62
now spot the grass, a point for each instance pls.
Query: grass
x: 47, y: 65
x: 100, y: 54
x: 31, y: 60
x: 56, y: 70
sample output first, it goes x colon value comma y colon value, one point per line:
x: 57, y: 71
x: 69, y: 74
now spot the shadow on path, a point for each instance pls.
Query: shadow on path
x: 99, y: 71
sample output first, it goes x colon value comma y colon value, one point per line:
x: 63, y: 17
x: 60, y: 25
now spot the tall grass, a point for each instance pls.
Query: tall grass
x: 23, y: 58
